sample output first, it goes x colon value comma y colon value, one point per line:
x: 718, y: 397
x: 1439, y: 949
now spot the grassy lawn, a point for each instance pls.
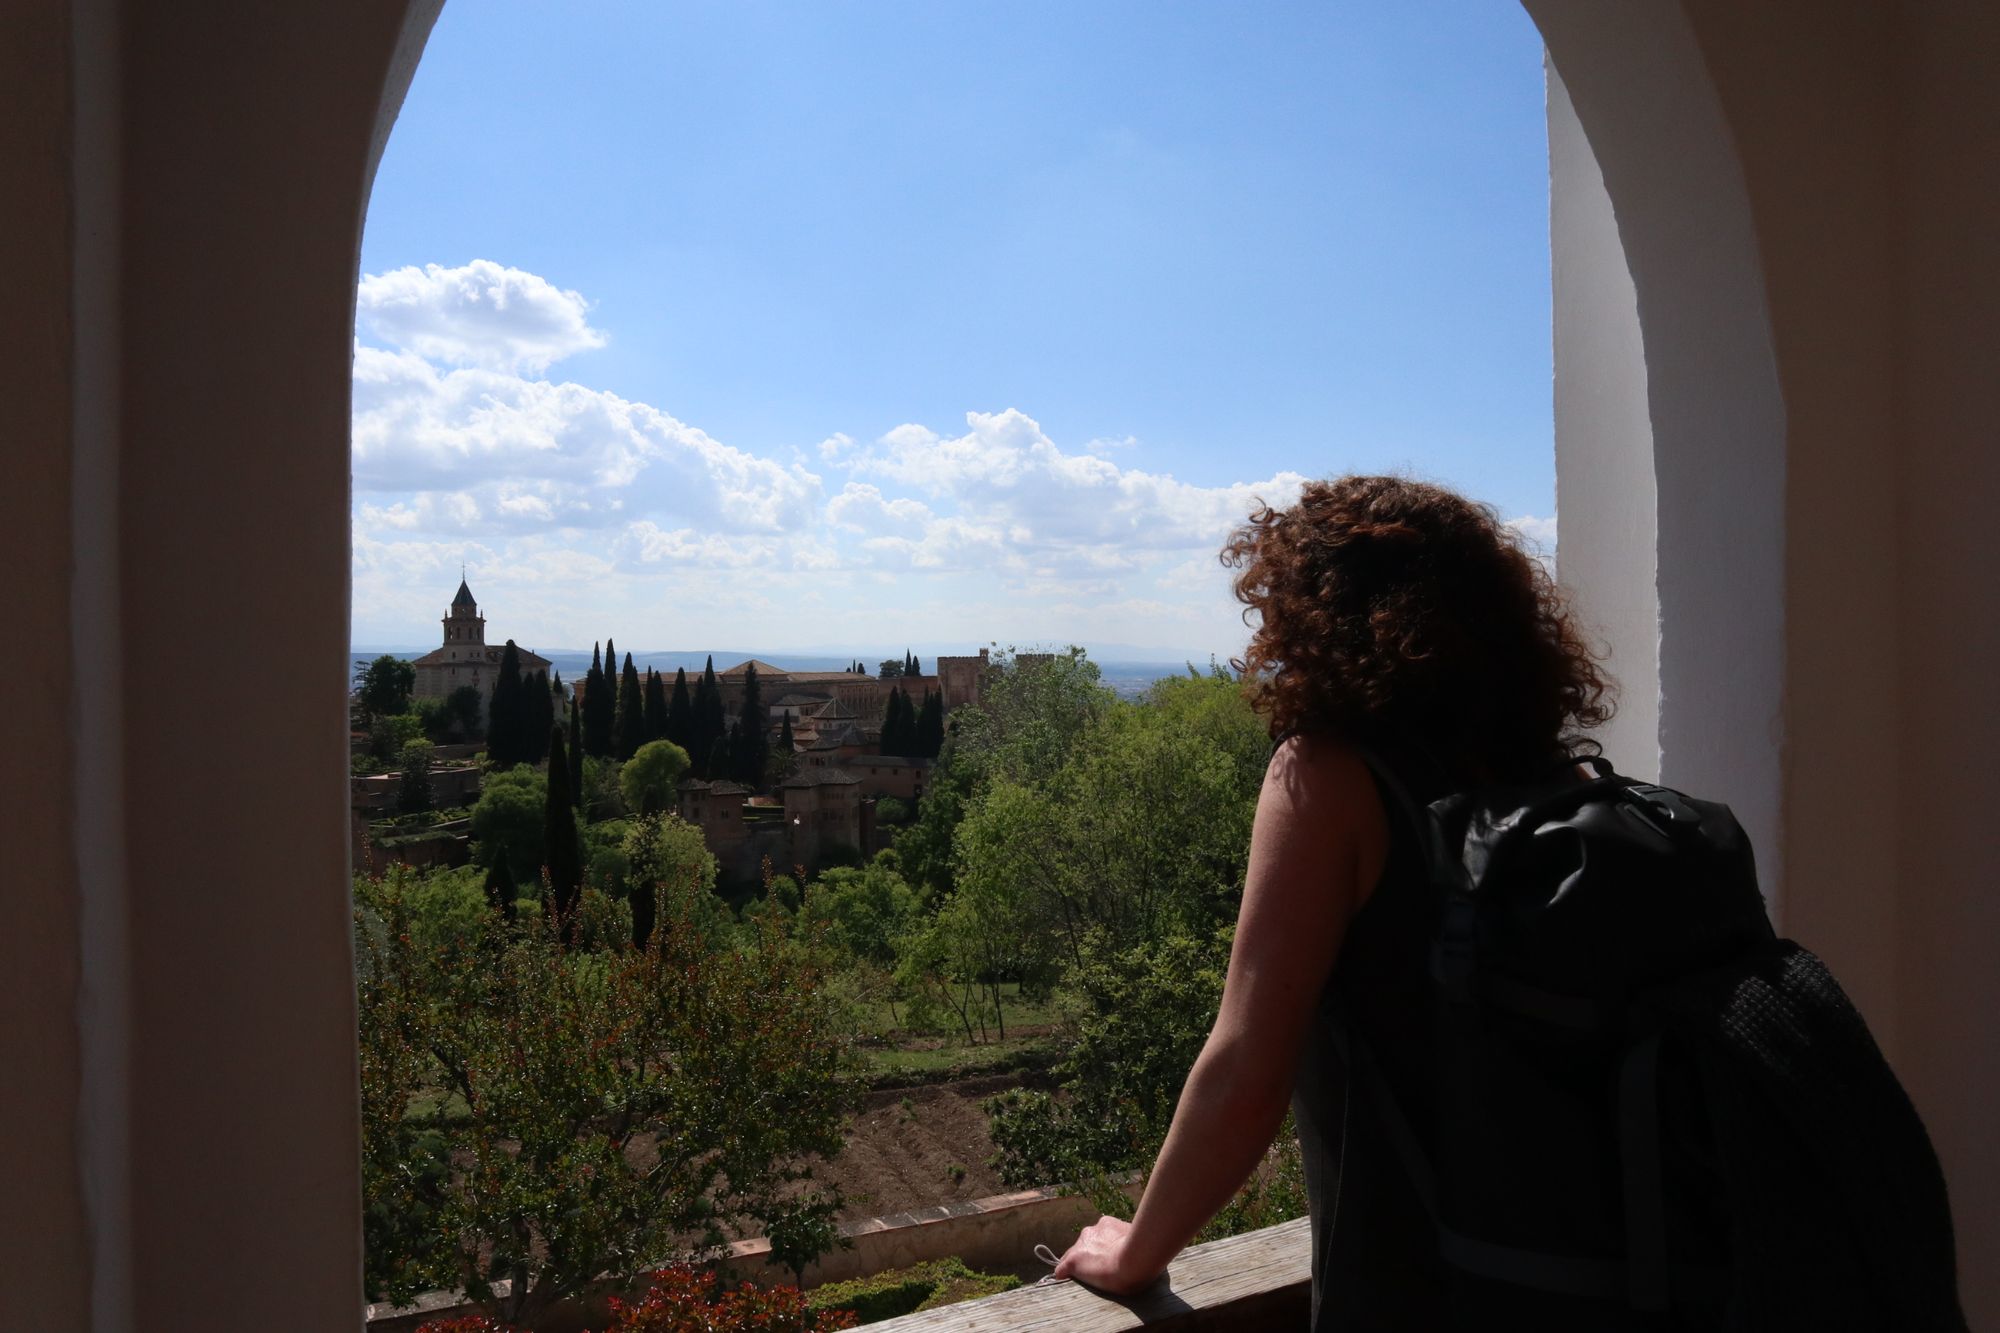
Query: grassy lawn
x: 879, y: 1019
x: 889, y: 1052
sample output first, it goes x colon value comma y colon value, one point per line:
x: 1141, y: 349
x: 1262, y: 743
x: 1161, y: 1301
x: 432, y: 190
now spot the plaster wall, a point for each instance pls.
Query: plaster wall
x: 184, y: 191
x: 43, y: 1227
x: 1947, y: 622
x: 1605, y: 497
x: 1636, y: 81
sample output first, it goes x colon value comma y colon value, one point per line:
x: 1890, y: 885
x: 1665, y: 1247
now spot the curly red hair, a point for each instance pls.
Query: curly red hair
x: 1397, y: 615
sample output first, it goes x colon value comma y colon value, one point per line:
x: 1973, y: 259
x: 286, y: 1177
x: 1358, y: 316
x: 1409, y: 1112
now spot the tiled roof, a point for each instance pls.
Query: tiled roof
x: 464, y: 597
x: 894, y: 760
x: 821, y: 777
x: 717, y: 787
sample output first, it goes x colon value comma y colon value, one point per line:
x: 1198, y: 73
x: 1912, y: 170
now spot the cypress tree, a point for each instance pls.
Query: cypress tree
x: 506, y: 741
x: 720, y: 753
x: 680, y: 713
x: 785, y: 742
x: 645, y: 901
x: 892, y: 722
x: 575, y: 755
x: 597, y: 708
x: 629, y: 732
x: 909, y: 663
x: 565, y: 855
x: 711, y: 725
x: 656, y: 706
x: 750, y: 749
x: 541, y: 715
x: 930, y: 726
x: 500, y: 890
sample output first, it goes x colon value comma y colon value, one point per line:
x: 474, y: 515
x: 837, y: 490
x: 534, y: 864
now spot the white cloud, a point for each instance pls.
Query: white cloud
x: 1005, y: 471
x: 587, y: 457
x: 860, y: 508
x: 479, y: 314
x: 1539, y: 533
x: 573, y: 508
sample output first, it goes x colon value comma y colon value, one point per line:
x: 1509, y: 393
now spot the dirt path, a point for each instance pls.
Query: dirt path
x: 916, y: 1146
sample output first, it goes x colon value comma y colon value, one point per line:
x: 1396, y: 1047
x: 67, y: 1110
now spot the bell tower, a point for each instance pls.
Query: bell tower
x: 465, y: 628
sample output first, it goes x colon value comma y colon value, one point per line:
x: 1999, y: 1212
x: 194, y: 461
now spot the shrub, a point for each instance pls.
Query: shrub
x: 539, y: 1112
x: 685, y: 1301
x: 926, y: 1286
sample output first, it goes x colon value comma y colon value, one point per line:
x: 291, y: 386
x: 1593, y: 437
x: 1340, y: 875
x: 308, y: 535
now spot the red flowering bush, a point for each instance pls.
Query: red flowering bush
x: 683, y: 1300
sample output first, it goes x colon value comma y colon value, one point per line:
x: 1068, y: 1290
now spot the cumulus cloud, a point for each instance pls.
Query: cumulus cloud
x: 567, y: 502
x: 1005, y: 472
x: 533, y: 451
x: 479, y: 314
x: 1539, y: 533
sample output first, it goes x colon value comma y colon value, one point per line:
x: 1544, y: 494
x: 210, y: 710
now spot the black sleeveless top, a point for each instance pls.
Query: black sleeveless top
x: 1375, y: 1262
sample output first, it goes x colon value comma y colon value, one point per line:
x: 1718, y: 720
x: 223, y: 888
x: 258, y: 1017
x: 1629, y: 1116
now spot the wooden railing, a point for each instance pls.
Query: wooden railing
x: 1259, y: 1280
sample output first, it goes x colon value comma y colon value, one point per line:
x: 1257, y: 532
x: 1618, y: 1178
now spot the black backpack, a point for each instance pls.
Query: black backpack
x: 1646, y: 1100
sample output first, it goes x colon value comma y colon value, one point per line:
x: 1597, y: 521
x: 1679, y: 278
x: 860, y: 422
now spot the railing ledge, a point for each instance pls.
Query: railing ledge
x: 1261, y: 1279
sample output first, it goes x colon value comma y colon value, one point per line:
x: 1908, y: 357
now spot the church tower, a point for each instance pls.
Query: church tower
x: 465, y: 628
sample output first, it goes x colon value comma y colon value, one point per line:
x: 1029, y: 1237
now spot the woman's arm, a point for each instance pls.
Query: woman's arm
x: 1316, y: 850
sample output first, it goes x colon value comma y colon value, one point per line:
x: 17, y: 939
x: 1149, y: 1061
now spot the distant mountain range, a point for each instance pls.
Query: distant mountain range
x: 1129, y: 673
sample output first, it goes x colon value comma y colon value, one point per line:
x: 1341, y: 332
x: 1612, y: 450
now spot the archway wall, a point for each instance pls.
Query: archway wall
x: 1606, y: 557
x: 180, y: 1090
x: 1824, y: 172
x: 1704, y: 402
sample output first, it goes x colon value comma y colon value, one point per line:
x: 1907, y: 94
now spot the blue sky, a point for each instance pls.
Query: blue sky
x: 801, y: 326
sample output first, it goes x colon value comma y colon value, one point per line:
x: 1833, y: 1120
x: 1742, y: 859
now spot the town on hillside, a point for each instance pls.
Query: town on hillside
x: 785, y: 768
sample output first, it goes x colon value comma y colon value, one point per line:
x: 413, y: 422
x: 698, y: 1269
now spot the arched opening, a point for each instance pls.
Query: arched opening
x: 201, y: 175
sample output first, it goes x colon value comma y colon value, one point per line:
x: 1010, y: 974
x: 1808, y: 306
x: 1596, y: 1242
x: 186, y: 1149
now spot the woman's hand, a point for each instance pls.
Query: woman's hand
x: 1099, y: 1259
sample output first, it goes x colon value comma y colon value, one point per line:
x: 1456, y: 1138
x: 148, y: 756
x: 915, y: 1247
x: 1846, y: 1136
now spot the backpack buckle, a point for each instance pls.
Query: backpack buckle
x: 1665, y: 809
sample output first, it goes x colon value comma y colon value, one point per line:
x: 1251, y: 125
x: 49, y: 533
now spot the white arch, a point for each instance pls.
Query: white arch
x: 1710, y: 427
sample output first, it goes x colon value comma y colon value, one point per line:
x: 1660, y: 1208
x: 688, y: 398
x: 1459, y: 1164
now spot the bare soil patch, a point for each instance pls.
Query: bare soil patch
x: 911, y: 1147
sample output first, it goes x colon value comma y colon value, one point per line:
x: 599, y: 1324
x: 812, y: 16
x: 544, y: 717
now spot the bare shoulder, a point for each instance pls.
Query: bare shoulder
x: 1319, y: 814
x: 1322, y: 778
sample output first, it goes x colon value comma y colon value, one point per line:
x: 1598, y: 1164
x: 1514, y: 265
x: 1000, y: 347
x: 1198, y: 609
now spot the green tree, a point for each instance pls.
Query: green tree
x: 629, y: 729
x: 930, y: 726
x: 413, y: 788
x: 383, y: 686
x: 656, y: 706
x: 507, y: 714
x: 891, y: 668
x: 507, y: 822
x: 565, y: 855
x: 750, y: 751
x: 1136, y: 1019
x: 865, y: 909
x: 539, y: 716
x: 468, y: 712
x: 666, y: 856
x: 710, y: 725
x: 680, y: 713
x: 390, y: 732
x: 785, y: 742
x: 506, y: 1080
x: 575, y: 753
x: 599, y: 707
x: 893, y: 729
x: 652, y: 777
